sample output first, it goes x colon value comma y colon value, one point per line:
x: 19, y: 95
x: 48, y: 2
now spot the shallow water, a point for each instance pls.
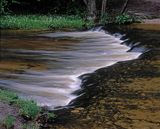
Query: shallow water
x: 45, y: 66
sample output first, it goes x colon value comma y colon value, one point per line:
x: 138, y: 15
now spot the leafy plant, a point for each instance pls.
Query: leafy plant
x: 4, y: 6
x: 105, y: 19
x: 51, y: 115
x: 28, y: 109
x: 9, y: 121
x: 123, y: 19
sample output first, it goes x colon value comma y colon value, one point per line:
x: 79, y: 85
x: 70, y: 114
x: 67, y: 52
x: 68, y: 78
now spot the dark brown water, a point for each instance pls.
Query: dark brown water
x: 46, y: 66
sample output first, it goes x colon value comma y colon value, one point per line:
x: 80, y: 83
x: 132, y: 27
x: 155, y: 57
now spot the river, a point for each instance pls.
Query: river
x: 45, y: 66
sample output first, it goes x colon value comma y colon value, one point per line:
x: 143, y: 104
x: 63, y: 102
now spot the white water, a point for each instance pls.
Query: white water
x: 54, y: 86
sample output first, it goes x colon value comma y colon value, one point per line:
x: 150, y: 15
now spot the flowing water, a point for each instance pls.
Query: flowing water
x: 45, y: 66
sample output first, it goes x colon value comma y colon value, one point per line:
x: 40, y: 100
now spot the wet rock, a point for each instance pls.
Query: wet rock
x: 102, y: 102
x: 88, y: 118
x: 77, y: 110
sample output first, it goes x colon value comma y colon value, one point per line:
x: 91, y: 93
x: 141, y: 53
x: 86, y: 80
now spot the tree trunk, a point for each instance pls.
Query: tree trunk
x: 124, y: 6
x: 91, y: 7
x: 86, y: 2
x: 103, y: 10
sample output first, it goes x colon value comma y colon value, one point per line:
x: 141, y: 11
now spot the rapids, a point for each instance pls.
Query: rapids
x: 45, y: 67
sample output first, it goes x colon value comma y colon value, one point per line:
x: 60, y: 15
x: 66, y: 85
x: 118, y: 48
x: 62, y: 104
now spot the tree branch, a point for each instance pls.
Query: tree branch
x: 86, y: 2
x: 125, y: 6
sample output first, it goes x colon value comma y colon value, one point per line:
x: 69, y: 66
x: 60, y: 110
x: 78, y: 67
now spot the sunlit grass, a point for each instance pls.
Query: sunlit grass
x: 40, y: 22
x: 28, y: 108
x: 9, y: 122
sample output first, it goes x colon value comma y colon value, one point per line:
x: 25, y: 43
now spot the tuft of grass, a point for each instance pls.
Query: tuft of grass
x: 8, y: 96
x: 125, y: 19
x: 28, y: 108
x: 51, y: 115
x: 9, y: 122
x: 42, y: 22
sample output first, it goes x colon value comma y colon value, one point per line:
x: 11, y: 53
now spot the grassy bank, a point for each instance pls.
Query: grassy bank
x: 43, y: 22
x: 28, y: 108
x: 53, y: 22
x: 21, y: 113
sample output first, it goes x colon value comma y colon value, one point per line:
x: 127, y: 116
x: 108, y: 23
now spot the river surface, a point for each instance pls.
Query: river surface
x: 45, y: 66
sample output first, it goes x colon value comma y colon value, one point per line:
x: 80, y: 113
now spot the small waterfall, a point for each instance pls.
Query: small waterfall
x: 65, y: 56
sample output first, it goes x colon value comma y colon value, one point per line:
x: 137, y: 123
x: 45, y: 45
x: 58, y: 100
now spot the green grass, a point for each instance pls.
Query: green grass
x: 28, y: 108
x: 9, y: 122
x: 42, y: 22
x: 8, y: 96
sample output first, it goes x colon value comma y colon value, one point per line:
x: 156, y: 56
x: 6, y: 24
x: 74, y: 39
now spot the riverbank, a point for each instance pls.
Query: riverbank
x: 42, y: 22
x: 147, y: 24
x: 16, y: 112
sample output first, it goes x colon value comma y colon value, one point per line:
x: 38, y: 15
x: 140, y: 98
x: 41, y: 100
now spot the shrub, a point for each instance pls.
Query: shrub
x: 105, y: 19
x: 51, y: 117
x: 123, y: 19
x: 3, y: 5
x: 9, y: 121
x: 28, y: 108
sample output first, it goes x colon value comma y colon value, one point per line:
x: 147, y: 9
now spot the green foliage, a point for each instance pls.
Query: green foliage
x: 28, y: 108
x: 121, y: 19
x: 124, y: 19
x: 9, y: 121
x: 51, y: 115
x: 107, y: 19
x: 3, y: 6
x: 59, y: 22
x: 43, y: 6
x: 40, y: 22
x: 8, y: 96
